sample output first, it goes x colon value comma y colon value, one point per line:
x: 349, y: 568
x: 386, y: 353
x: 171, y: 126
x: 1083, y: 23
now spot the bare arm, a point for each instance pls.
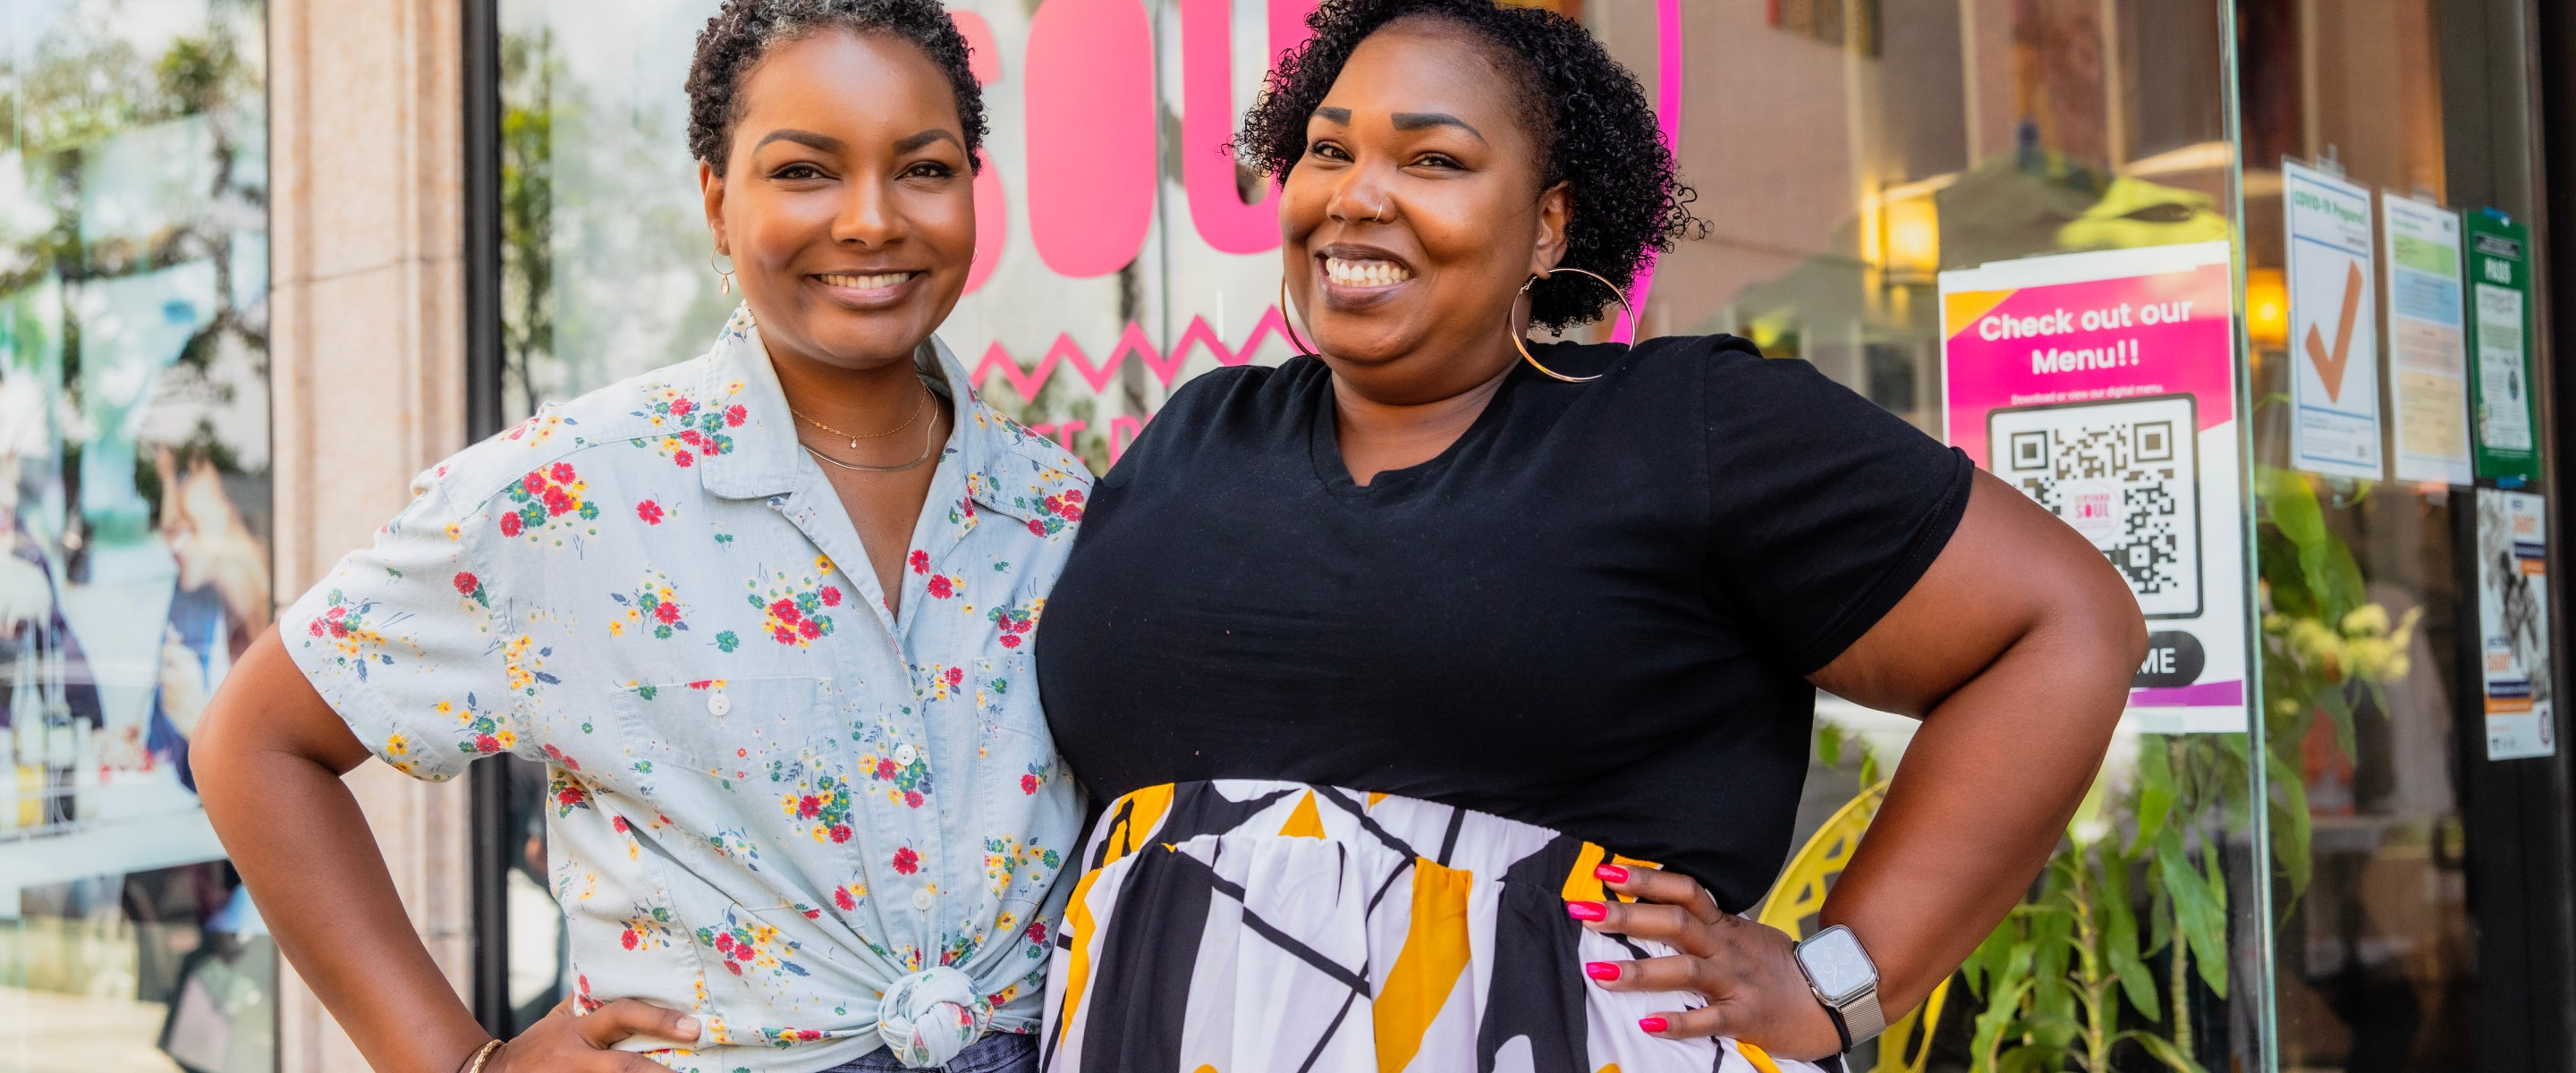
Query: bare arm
x: 268, y: 758
x: 2016, y: 648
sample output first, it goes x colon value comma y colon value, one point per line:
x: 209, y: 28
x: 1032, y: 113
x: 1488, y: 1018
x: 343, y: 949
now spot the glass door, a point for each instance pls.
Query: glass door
x: 2408, y: 655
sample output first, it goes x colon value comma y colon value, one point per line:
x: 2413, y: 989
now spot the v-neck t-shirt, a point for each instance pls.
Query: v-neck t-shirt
x: 1593, y: 612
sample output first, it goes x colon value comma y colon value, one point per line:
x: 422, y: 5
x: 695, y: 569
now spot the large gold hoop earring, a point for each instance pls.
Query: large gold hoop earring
x: 1626, y: 314
x: 1288, y: 320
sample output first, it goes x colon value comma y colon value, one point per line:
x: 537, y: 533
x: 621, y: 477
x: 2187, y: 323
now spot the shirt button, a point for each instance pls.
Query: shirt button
x: 921, y: 899
x: 904, y: 755
x: 718, y: 704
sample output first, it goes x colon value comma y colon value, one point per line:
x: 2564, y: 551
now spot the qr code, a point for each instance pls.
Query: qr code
x: 2125, y: 474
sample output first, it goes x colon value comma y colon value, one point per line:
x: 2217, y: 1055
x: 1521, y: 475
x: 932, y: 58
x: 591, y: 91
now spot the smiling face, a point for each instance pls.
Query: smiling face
x: 846, y: 205
x: 1417, y: 213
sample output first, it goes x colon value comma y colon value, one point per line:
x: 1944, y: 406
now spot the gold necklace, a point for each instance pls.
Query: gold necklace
x: 854, y: 437
x: 929, y: 440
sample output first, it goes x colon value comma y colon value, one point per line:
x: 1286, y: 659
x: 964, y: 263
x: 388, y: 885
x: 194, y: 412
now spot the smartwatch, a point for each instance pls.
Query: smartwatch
x: 1845, y: 980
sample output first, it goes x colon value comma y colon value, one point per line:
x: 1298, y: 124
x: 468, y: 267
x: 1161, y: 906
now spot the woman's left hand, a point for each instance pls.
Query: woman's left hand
x: 1747, y: 971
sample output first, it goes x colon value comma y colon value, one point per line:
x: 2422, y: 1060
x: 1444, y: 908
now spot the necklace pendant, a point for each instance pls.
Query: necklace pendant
x: 854, y: 445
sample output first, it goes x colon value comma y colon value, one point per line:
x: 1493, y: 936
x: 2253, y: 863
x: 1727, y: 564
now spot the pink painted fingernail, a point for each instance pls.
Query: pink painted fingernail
x: 1586, y: 910
x: 1601, y: 970
x: 1651, y: 1024
x: 1610, y: 873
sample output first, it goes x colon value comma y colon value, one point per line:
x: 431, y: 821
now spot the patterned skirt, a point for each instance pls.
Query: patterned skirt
x: 1269, y: 927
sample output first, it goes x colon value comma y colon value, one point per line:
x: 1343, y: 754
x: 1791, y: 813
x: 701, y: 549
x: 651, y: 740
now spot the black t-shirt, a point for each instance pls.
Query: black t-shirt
x: 1593, y: 612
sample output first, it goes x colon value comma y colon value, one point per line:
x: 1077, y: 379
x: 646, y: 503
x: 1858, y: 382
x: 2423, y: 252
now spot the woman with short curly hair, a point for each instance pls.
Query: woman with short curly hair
x: 1450, y: 693
x: 762, y: 615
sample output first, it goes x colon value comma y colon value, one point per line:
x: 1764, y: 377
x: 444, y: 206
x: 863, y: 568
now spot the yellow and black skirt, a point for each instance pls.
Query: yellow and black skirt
x: 1269, y: 927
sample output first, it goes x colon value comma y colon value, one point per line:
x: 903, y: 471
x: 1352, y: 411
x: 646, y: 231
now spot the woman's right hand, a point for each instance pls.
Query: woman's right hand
x: 564, y: 1043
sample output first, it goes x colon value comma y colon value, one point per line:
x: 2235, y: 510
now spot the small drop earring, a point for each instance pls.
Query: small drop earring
x: 724, y: 276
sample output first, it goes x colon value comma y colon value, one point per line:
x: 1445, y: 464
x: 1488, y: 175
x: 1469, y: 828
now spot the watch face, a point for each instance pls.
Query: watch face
x: 1836, y: 965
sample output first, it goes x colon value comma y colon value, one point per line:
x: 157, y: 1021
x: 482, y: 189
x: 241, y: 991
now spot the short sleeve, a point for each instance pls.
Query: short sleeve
x: 1824, y: 508
x: 398, y: 639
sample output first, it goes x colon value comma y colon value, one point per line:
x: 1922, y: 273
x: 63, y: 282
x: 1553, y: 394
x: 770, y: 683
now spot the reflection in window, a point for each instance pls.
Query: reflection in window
x: 134, y: 475
x: 1848, y: 153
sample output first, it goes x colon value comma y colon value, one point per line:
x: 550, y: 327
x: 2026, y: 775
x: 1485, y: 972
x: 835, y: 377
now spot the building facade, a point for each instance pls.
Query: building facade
x: 2255, y: 293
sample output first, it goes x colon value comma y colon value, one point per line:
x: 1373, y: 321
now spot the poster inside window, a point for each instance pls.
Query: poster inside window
x: 134, y: 487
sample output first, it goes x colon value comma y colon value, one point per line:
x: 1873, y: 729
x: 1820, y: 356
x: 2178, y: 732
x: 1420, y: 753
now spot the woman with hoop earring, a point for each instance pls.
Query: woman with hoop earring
x: 1445, y: 696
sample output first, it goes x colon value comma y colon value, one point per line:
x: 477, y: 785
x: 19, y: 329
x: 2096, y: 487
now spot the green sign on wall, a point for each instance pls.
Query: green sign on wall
x: 2508, y: 441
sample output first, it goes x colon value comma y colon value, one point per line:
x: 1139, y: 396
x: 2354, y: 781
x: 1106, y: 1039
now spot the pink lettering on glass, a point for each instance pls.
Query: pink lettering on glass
x: 1208, y: 115
x: 1089, y: 84
x: 992, y: 211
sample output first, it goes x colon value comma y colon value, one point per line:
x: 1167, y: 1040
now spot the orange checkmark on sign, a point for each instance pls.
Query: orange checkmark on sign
x: 2330, y: 367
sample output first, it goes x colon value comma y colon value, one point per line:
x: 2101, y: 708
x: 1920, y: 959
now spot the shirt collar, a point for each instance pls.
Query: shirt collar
x: 763, y: 458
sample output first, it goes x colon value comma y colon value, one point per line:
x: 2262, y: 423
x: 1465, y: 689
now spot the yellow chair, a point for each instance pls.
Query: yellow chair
x: 1792, y: 904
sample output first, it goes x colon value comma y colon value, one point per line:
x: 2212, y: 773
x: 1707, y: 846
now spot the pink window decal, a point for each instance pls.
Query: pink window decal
x: 1089, y: 84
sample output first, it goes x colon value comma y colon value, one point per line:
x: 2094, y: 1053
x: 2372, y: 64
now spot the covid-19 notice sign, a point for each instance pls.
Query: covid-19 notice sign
x: 2103, y: 386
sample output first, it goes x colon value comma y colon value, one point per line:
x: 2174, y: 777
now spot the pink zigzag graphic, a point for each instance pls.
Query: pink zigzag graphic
x: 1026, y: 383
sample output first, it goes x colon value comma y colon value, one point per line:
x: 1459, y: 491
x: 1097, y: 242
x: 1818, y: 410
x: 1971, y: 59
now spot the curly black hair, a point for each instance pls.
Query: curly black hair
x: 1600, y: 135
x: 743, y: 31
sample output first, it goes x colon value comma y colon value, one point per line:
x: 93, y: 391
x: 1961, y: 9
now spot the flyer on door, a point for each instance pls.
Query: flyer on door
x: 2103, y: 386
x: 2500, y: 312
x: 2334, y: 342
x: 2513, y: 624
x: 2428, y: 341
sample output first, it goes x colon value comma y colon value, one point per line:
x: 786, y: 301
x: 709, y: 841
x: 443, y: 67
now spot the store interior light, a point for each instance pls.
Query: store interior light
x: 1913, y: 230
x: 2267, y: 307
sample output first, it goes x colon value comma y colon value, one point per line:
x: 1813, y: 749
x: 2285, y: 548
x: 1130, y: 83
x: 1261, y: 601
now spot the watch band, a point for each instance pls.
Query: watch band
x: 1858, y: 1018
x: 1861, y: 1019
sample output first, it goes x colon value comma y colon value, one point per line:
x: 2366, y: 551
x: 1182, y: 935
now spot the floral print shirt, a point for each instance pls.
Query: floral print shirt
x: 774, y: 801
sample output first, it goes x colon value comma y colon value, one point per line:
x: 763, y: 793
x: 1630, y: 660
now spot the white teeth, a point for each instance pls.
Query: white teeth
x: 865, y: 283
x: 1370, y: 273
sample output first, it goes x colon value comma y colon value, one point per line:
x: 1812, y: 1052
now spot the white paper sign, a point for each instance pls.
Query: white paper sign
x: 2428, y: 372
x: 2334, y: 339
x: 2506, y: 424
x: 2513, y: 624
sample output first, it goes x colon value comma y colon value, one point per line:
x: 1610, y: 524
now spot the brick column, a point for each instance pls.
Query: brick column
x: 367, y: 371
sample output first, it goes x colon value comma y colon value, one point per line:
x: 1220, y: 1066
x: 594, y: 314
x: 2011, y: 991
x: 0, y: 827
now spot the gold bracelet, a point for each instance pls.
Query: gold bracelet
x: 482, y: 1055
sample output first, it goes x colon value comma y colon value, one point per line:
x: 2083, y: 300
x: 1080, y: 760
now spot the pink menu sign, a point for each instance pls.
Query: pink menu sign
x: 2103, y: 386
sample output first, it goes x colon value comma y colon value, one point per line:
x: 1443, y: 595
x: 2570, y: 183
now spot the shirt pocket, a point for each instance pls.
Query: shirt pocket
x: 727, y: 730
x: 716, y: 759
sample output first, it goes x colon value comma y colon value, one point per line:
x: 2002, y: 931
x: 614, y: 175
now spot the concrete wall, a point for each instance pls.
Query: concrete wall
x: 367, y: 370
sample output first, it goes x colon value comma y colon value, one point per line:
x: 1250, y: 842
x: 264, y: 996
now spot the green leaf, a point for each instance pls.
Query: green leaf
x: 1990, y: 956
x: 2159, y: 914
x: 2290, y: 504
x: 2339, y: 705
x: 2213, y: 963
x: 2002, y: 1010
x: 2038, y: 1058
x: 2156, y: 790
x: 2287, y: 588
x: 2198, y: 914
x: 1829, y: 744
x: 2162, y: 1049
x: 2120, y: 939
x: 2339, y: 585
x: 2332, y: 578
x: 2290, y: 824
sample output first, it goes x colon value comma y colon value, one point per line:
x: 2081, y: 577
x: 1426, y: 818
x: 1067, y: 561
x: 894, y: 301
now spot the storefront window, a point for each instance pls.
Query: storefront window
x: 1885, y: 178
x: 2406, y: 628
x: 134, y: 469
x: 2287, y: 817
